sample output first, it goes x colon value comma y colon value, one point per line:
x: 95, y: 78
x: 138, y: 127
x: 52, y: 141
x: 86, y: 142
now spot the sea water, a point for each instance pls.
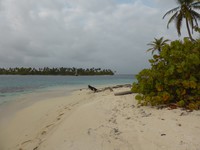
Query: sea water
x: 15, y: 85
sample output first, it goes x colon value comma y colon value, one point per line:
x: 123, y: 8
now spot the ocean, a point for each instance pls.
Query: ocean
x: 17, y: 85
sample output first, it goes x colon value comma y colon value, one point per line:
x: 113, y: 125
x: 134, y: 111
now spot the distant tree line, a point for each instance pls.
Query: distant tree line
x: 55, y: 71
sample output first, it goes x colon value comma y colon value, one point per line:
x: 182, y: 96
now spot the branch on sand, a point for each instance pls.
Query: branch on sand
x: 111, y: 89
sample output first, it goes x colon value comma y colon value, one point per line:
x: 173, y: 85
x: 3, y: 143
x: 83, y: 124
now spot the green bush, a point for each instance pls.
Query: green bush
x: 174, y: 76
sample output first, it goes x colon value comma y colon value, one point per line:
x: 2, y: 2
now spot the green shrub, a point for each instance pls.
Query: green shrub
x: 174, y: 76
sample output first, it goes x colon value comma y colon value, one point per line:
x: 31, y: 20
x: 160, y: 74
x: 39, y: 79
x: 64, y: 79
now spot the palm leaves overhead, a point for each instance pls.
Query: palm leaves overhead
x: 157, y: 44
x: 185, y: 11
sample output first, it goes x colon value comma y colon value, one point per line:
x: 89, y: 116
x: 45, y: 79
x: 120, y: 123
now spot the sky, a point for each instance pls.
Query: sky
x: 110, y: 34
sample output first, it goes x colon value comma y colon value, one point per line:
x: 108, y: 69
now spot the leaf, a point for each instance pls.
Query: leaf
x: 156, y: 56
x: 181, y: 103
x: 166, y: 96
x: 138, y: 97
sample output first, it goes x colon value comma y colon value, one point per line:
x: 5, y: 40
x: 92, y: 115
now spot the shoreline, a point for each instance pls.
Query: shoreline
x: 86, y: 120
x: 24, y: 100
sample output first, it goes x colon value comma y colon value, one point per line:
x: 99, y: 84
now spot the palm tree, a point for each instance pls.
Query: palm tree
x: 157, y: 45
x: 185, y: 11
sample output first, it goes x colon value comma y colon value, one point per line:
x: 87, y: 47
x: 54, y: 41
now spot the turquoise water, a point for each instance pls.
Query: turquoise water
x: 14, y: 85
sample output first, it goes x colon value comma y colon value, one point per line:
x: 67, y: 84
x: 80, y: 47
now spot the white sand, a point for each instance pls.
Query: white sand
x: 99, y: 121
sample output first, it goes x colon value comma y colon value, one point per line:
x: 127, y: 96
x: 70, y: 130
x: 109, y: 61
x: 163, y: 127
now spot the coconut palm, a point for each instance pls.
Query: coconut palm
x: 157, y: 44
x: 186, y: 11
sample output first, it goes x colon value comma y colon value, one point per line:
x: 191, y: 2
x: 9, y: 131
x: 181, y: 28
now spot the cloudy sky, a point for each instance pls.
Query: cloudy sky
x: 81, y: 33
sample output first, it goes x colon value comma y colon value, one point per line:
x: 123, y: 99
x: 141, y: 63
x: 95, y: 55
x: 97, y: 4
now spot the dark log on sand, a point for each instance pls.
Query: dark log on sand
x: 92, y: 88
x: 123, y: 93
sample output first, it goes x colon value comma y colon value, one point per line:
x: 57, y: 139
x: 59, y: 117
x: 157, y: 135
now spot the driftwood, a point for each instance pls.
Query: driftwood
x: 92, y: 88
x: 106, y: 88
x: 123, y: 93
x: 111, y: 89
x: 115, y: 87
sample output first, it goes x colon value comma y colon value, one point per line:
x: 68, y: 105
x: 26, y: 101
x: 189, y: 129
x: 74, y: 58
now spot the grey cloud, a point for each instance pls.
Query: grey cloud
x: 80, y: 33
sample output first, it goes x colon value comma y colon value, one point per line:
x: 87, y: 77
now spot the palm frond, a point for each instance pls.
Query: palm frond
x: 189, y: 17
x: 188, y: 2
x: 196, y: 22
x: 150, y: 44
x: 153, y: 51
x: 196, y: 17
x: 171, y: 11
x: 195, y: 4
x: 192, y: 24
x: 165, y: 41
x: 179, y: 23
x: 195, y: 14
x: 171, y: 19
x: 196, y: 7
x: 150, y: 49
x: 161, y: 39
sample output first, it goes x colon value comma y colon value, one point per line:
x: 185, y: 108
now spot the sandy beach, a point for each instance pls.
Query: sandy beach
x: 85, y: 120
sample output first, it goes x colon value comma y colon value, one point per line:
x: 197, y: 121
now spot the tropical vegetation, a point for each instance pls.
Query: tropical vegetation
x: 55, y: 71
x: 174, y: 75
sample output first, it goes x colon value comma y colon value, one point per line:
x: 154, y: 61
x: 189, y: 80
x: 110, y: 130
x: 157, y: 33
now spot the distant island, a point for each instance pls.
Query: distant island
x: 55, y: 71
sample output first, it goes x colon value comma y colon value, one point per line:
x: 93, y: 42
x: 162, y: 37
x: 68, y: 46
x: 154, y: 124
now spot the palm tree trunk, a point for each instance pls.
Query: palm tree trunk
x: 188, y: 28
